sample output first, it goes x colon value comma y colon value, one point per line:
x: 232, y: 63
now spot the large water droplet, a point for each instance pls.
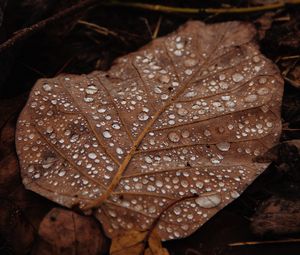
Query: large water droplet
x: 143, y: 116
x: 116, y: 126
x: 234, y: 194
x: 191, y: 94
x: 47, y: 87
x: 263, y: 91
x: 62, y: 173
x: 88, y: 99
x: 92, y: 155
x: 91, y: 90
x: 209, y: 201
x: 199, y: 185
x: 251, y: 98
x: 106, y: 134
x: 185, y: 134
x: 237, y: 77
x: 159, y: 183
x: 74, y: 138
x: 223, y: 146
x: 182, y: 111
x: 119, y: 151
x: 174, y: 137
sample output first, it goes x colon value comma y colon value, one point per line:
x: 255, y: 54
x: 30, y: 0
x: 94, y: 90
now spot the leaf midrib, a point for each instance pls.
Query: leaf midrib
x: 123, y: 166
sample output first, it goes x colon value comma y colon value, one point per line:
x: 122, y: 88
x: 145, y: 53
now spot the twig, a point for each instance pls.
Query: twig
x: 265, y: 242
x: 101, y: 30
x: 155, y: 33
x: 172, y: 9
x: 28, y: 31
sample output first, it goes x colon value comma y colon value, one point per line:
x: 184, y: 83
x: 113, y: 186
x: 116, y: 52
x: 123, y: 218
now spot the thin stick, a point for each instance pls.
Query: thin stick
x: 28, y: 31
x: 172, y: 9
x: 265, y: 242
x: 155, y: 33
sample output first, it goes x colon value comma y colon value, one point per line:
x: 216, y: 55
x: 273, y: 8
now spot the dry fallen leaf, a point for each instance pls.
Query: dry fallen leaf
x: 185, y: 115
x: 66, y: 232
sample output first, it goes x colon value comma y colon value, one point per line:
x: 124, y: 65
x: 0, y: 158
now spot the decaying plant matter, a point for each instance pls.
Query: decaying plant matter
x: 187, y: 114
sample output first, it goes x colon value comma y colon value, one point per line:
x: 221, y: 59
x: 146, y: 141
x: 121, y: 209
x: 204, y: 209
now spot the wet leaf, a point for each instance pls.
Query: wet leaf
x: 185, y: 115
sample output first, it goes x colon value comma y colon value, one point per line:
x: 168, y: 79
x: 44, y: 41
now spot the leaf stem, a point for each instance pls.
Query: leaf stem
x: 184, y: 10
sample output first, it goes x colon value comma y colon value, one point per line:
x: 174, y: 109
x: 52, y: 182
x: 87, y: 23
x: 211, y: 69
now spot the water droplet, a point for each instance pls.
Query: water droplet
x: 256, y: 59
x: 92, y: 155
x: 188, y: 71
x: 222, y: 77
x: 237, y: 77
x: 174, y: 137
x: 184, y: 183
x: 116, y: 126
x: 269, y: 124
x: 223, y: 85
x: 109, y: 168
x: 177, y: 210
x: 159, y: 183
x: 223, y: 146
x: 37, y: 175
x: 88, y: 99
x: 119, y: 151
x: 106, y: 134
x: 178, y: 53
x: 234, y: 194
x: 143, y: 116
x: 157, y: 90
x: 62, y: 173
x: 151, y: 188
x: 191, y: 94
x: 262, y: 80
x: 47, y: 87
x: 91, y: 90
x: 179, y: 45
x: 164, y: 97
x: 49, y: 130
x: 185, y: 134
x: 48, y: 162
x: 74, y: 138
x: 207, y: 133
x: 112, y: 213
x: 30, y: 169
x: 182, y: 111
x: 210, y: 201
x: 148, y: 160
x: 230, y: 104
x: 251, y: 98
x: 263, y: 91
x: 199, y: 185
x: 190, y: 62
x: 164, y: 78
x: 101, y: 110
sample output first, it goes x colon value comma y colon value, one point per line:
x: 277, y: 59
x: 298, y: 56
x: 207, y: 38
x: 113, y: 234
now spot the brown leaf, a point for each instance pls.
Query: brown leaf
x: 66, y: 232
x: 186, y: 114
x: 155, y: 246
x: 131, y: 243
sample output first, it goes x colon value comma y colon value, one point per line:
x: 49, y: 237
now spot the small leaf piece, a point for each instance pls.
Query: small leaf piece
x: 187, y: 114
x: 133, y: 242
